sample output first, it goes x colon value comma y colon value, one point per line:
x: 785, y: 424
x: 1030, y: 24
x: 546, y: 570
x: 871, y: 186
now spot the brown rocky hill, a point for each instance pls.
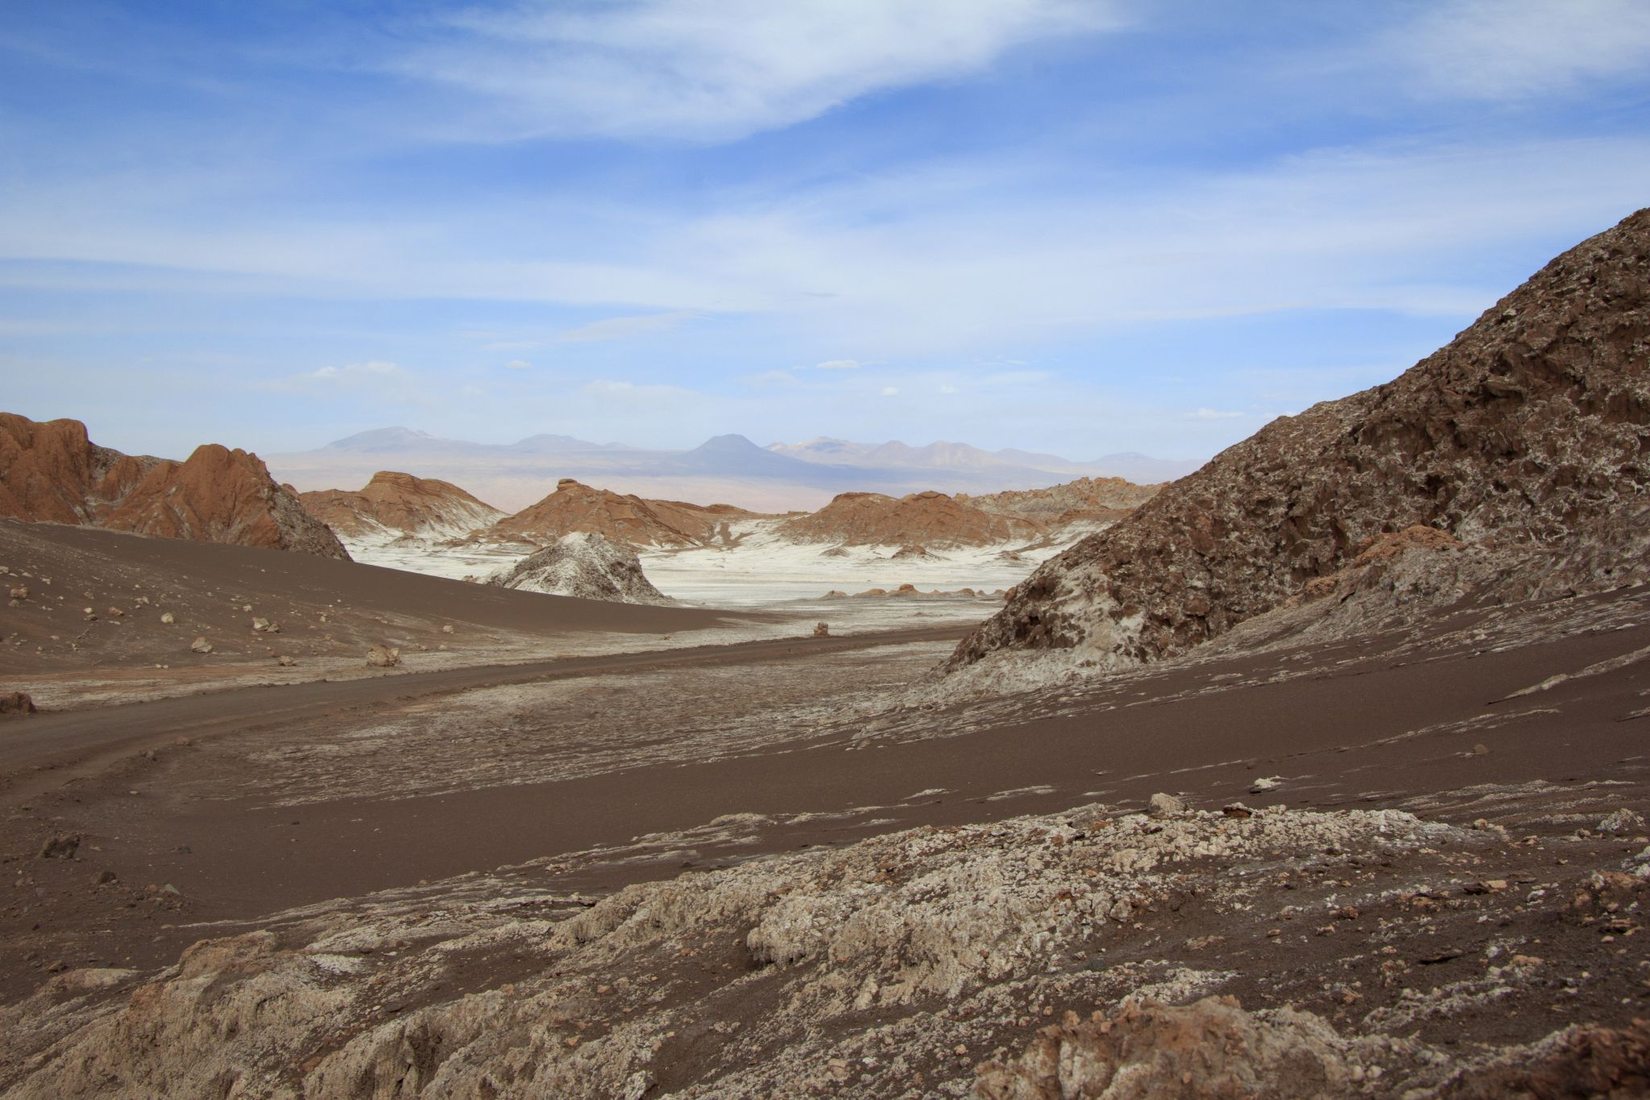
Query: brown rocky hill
x: 52, y: 472
x: 1526, y: 439
x: 621, y: 518
x: 401, y: 505
x: 926, y: 519
x: 1085, y: 499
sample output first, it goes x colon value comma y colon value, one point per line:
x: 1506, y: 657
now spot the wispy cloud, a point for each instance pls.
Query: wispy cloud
x: 718, y: 70
x: 622, y: 328
x: 1521, y: 49
x: 838, y: 364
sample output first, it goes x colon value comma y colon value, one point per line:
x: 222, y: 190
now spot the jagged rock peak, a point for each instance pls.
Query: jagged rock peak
x: 1526, y: 438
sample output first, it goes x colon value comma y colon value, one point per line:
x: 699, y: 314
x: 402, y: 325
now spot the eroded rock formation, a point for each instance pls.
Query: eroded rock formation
x: 926, y: 519
x: 620, y: 518
x: 587, y: 566
x: 51, y: 472
x: 400, y: 505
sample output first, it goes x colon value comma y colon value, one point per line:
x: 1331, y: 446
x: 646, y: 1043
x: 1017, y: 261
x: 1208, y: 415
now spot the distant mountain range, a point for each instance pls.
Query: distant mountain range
x: 726, y: 468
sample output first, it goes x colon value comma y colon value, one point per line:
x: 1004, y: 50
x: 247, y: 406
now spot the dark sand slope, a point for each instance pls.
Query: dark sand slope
x: 324, y: 607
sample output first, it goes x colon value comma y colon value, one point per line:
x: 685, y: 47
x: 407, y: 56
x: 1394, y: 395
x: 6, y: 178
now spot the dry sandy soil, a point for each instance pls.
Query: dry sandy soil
x: 792, y: 866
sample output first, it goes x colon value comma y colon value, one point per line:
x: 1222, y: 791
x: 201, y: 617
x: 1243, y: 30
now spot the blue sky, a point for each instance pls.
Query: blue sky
x: 1081, y: 226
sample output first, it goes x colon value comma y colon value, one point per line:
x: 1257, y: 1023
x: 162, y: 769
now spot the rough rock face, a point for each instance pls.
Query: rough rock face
x: 584, y: 565
x: 621, y: 518
x: 1211, y: 1048
x: 52, y: 472
x: 1527, y: 438
x: 401, y: 506
x: 1087, y: 499
x: 920, y: 519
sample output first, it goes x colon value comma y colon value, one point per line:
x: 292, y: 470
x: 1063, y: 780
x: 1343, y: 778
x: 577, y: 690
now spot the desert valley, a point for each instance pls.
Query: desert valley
x: 1320, y: 770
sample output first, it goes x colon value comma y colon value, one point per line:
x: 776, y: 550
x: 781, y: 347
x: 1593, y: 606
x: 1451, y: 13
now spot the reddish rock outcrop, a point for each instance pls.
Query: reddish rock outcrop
x: 401, y: 505
x: 1527, y: 437
x: 51, y: 472
x: 621, y: 518
x: 926, y: 519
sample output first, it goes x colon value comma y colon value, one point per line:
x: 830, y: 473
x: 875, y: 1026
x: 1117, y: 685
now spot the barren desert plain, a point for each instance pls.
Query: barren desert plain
x: 1321, y: 771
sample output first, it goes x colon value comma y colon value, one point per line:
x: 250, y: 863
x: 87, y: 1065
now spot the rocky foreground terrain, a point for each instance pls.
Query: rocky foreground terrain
x: 51, y: 472
x: 1525, y: 441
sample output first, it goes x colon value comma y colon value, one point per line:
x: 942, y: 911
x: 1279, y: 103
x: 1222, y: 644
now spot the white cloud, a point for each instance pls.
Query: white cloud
x: 355, y: 372
x: 1517, y: 49
x: 713, y: 70
x: 378, y: 379
x: 620, y: 328
x: 838, y: 364
x: 771, y: 378
x: 890, y: 391
x: 1213, y: 414
x: 519, y: 364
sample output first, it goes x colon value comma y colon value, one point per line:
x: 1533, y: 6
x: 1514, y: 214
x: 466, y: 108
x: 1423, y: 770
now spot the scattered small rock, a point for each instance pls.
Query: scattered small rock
x: 201, y: 645
x: 284, y: 661
x: 822, y: 630
x: 1165, y: 805
x: 265, y: 626
x: 1620, y: 822
x: 383, y: 656
x: 20, y: 592
x: 1267, y: 783
x: 168, y: 618
x: 16, y: 704
x: 61, y: 846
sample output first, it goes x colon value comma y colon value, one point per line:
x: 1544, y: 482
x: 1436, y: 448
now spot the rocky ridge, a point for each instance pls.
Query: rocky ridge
x: 588, y: 566
x: 52, y: 472
x: 927, y: 519
x: 398, y: 505
x: 1086, y: 499
x: 1526, y: 440
x: 620, y: 518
